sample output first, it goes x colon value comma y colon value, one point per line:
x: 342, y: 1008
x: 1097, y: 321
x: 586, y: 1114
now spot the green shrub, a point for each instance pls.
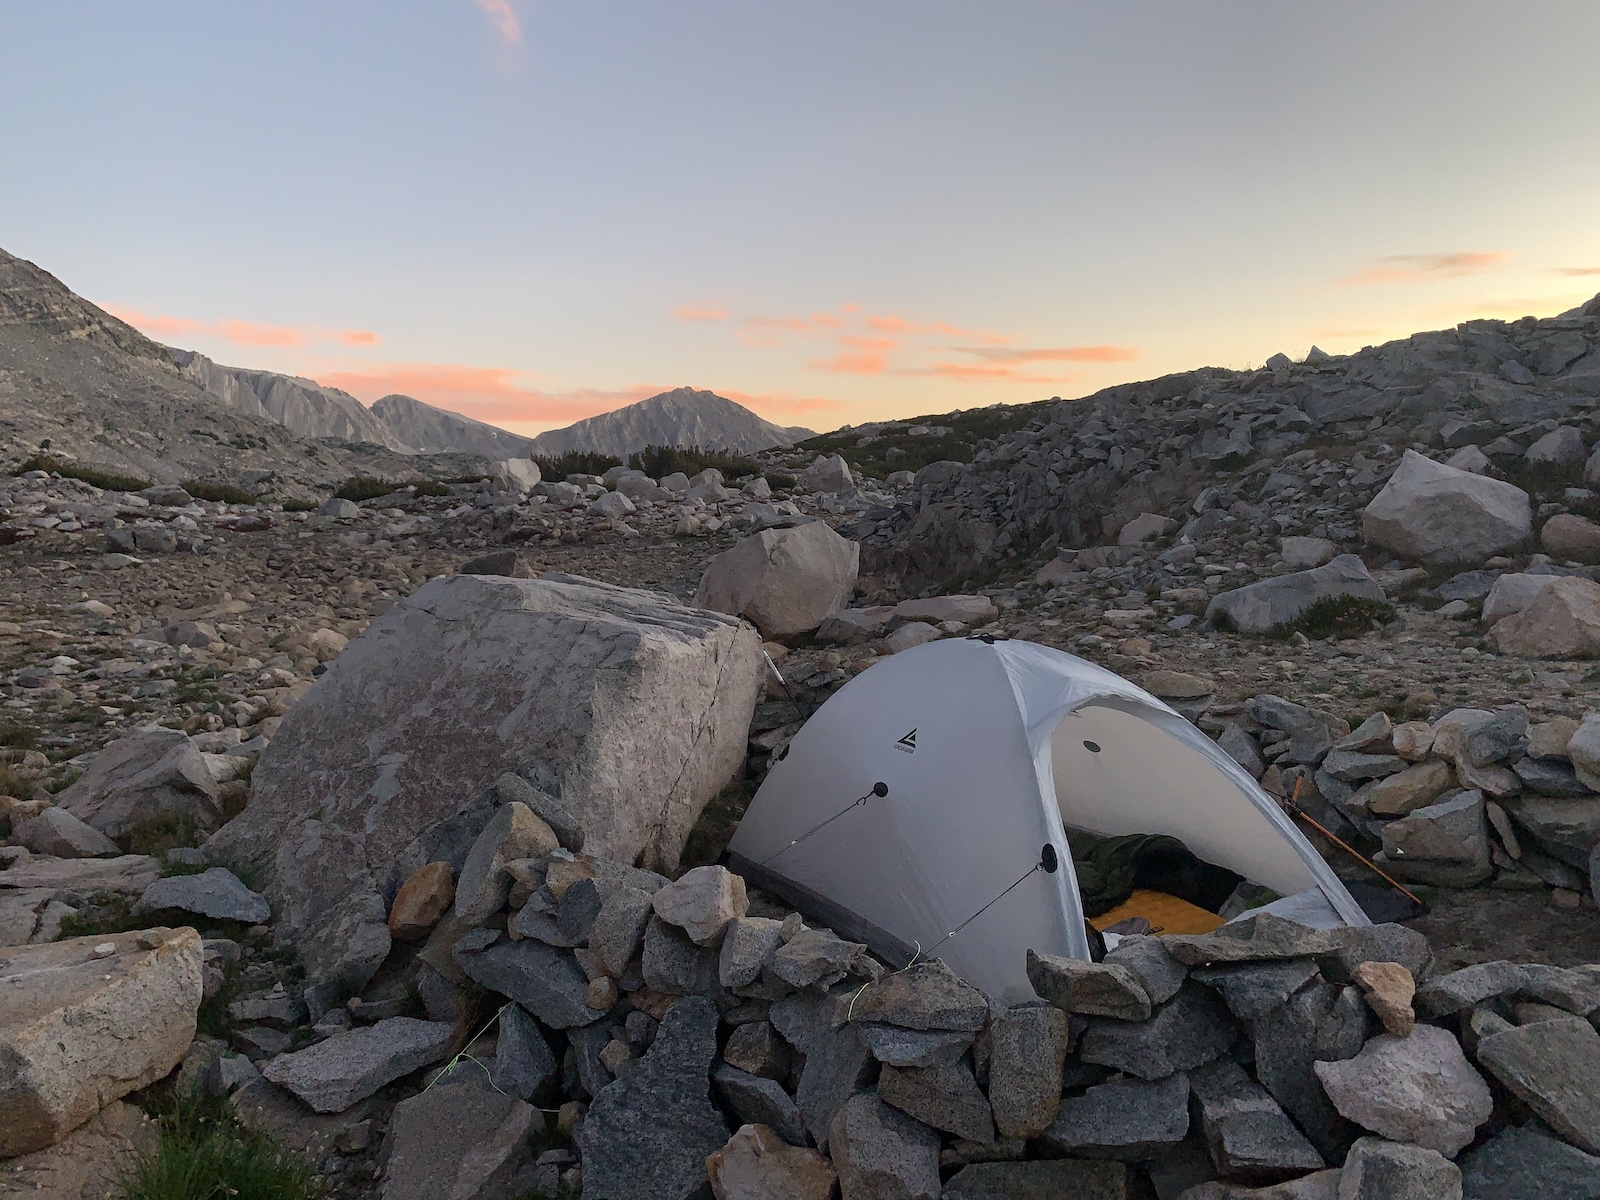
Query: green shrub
x: 779, y: 482
x: 431, y: 487
x: 218, y: 493
x: 300, y: 506
x: 95, y: 476
x: 1342, y: 616
x: 202, y: 1153
x: 364, y: 487
x: 660, y: 461
x: 575, y: 462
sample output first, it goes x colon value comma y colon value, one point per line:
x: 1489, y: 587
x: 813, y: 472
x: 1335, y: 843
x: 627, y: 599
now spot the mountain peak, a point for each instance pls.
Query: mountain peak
x: 685, y: 416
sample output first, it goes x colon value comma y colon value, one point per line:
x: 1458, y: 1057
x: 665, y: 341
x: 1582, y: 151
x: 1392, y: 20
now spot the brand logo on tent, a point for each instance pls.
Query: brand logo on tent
x: 908, y: 743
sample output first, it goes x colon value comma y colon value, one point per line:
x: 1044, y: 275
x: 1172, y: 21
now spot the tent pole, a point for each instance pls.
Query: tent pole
x: 1293, y: 805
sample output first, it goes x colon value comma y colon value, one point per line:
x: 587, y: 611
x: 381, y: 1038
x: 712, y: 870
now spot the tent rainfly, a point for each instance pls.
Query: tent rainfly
x: 932, y: 794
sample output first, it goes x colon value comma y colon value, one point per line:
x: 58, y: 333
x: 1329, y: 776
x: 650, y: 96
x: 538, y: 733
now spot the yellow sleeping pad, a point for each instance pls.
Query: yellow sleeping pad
x: 1166, y: 914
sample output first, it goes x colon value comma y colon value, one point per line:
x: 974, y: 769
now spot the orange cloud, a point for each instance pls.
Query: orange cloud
x: 503, y: 19
x: 689, y: 313
x: 1409, y: 268
x: 1577, y: 270
x: 861, y: 356
x: 1094, y: 354
x: 975, y: 373
x: 238, y: 333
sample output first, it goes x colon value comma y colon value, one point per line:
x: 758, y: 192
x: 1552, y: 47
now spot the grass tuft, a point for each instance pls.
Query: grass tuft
x: 106, y: 480
x: 1342, y: 616
x: 217, y: 493
x: 203, y: 1154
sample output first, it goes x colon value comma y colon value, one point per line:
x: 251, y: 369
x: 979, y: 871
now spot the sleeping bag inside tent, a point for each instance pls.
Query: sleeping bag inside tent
x: 998, y: 791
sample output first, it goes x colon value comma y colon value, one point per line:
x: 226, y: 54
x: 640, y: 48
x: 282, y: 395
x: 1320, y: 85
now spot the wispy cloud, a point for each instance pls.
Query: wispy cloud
x: 1020, y: 354
x: 859, y: 356
x: 1578, y: 271
x: 504, y: 19
x: 238, y: 333
x: 709, y: 312
x: 1410, y: 268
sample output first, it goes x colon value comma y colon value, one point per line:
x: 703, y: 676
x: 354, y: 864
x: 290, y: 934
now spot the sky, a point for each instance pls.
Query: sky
x: 833, y: 212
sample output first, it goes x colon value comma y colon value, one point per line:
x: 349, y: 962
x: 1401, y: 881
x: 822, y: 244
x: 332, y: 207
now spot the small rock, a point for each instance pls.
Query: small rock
x: 1158, y: 973
x: 756, y: 1164
x: 1248, y: 1135
x: 57, y: 832
x: 523, y: 1061
x: 460, y: 1137
x: 882, y: 1154
x: 756, y: 1047
x: 946, y: 1098
x: 897, y: 1047
x: 332, y: 1075
x: 747, y: 944
x: 1380, y: 1170
x: 1028, y: 1045
x: 926, y: 996
x: 1062, y: 1179
x: 702, y: 903
x: 1417, y: 1089
x: 815, y: 958
x: 1093, y: 989
x: 1127, y: 1119
x: 1551, y: 1067
x: 1523, y: 1161
x: 514, y: 832
x: 1188, y: 1031
x: 216, y: 893
x: 755, y: 1099
x: 423, y: 898
x: 1389, y: 988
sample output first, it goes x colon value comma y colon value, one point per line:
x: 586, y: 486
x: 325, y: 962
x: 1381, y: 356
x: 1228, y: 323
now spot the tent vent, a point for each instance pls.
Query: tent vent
x: 1048, y: 859
x: 1092, y: 747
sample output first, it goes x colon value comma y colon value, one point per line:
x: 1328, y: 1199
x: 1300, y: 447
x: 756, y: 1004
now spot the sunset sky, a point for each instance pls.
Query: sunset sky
x: 532, y: 211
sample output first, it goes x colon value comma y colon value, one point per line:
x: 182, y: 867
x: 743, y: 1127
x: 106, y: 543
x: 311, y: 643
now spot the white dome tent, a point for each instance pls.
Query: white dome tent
x: 947, y: 774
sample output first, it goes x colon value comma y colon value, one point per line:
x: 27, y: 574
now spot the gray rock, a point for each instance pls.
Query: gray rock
x: 1441, y: 517
x: 1252, y: 990
x: 675, y: 965
x: 344, y: 510
x: 514, y: 832
x: 756, y: 1047
x: 897, y: 1047
x: 1418, y: 1089
x: 1093, y: 989
x: 746, y: 946
x: 1261, y: 938
x: 1380, y: 1170
x: 1524, y: 1161
x: 273, y: 1006
x: 756, y: 1100
x: 332, y: 1075
x: 544, y: 980
x: 1126, y: 1119
x: 882, y: 1154
x: 1321, y: 1185
x: 926, y: 996
x: 838, y: 1065
x: 1074, y: 1178
x: 1272, y: 603
x: 815, y: 958
x: 803, y: 1019
x: 1248, y: 1135
x: 617, y: 935
x: 524, y: 1064
x: 470, y: 677
x: 1449, y: 994
x: 1378, y: 943
x: 1446, y: 842
x: 647, y: 1135
x: 216, y: 893
x: 1188, y: 1031
x: 1551, y: 1067
x: 1574, y: 991
x: 584, y: 1049
x: 145, y: 778
x: 1323, y: 1023
x: 462, y: 1137
x: 1158, y: 973
x: 1353, y: 766
x: 786, y: 581
x: 1028, y: 1044
x: 702, y: 903
x: 57, y: 832
x: 1241, y: 747
x: 511, y: 787
x: 946, y: 1098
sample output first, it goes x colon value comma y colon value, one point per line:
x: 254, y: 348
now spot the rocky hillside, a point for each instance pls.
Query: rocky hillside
x: 1079, y: 470
x: 92, y: 388
x: 304, y: 406
x: 437, y: 430
x: 682, y: 417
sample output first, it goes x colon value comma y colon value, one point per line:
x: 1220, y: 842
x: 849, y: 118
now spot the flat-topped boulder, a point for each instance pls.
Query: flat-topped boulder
x: 630, y: 709
x: 86, y: 1021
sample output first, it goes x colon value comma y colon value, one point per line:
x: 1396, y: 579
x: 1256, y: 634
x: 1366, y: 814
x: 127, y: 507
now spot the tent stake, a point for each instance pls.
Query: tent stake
x: 1293, y: 805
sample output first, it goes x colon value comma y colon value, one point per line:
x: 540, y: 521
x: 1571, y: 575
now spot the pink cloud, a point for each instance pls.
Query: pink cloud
x: 238, y: 333
x: 859, y: 356
x: 1409, y: 268
x: 503, y: 18
x: 1092, y: 354
x: 688, y: 312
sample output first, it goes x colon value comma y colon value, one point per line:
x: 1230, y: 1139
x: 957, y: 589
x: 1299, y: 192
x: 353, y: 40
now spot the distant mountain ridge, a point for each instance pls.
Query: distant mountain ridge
x: 431, y: 430
x: 681, y: 417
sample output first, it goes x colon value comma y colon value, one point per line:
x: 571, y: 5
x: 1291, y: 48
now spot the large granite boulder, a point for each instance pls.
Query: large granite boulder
x: 1561, y: 621
x: 86, y: 1021
x: 785, y: 580
x: 1272, y: 603
x: 1439, y: 516
x: 630, y: 709
x: 149, y: 777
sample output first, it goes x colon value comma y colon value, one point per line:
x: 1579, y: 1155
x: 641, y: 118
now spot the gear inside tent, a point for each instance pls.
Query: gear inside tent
x: 948, y: 802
